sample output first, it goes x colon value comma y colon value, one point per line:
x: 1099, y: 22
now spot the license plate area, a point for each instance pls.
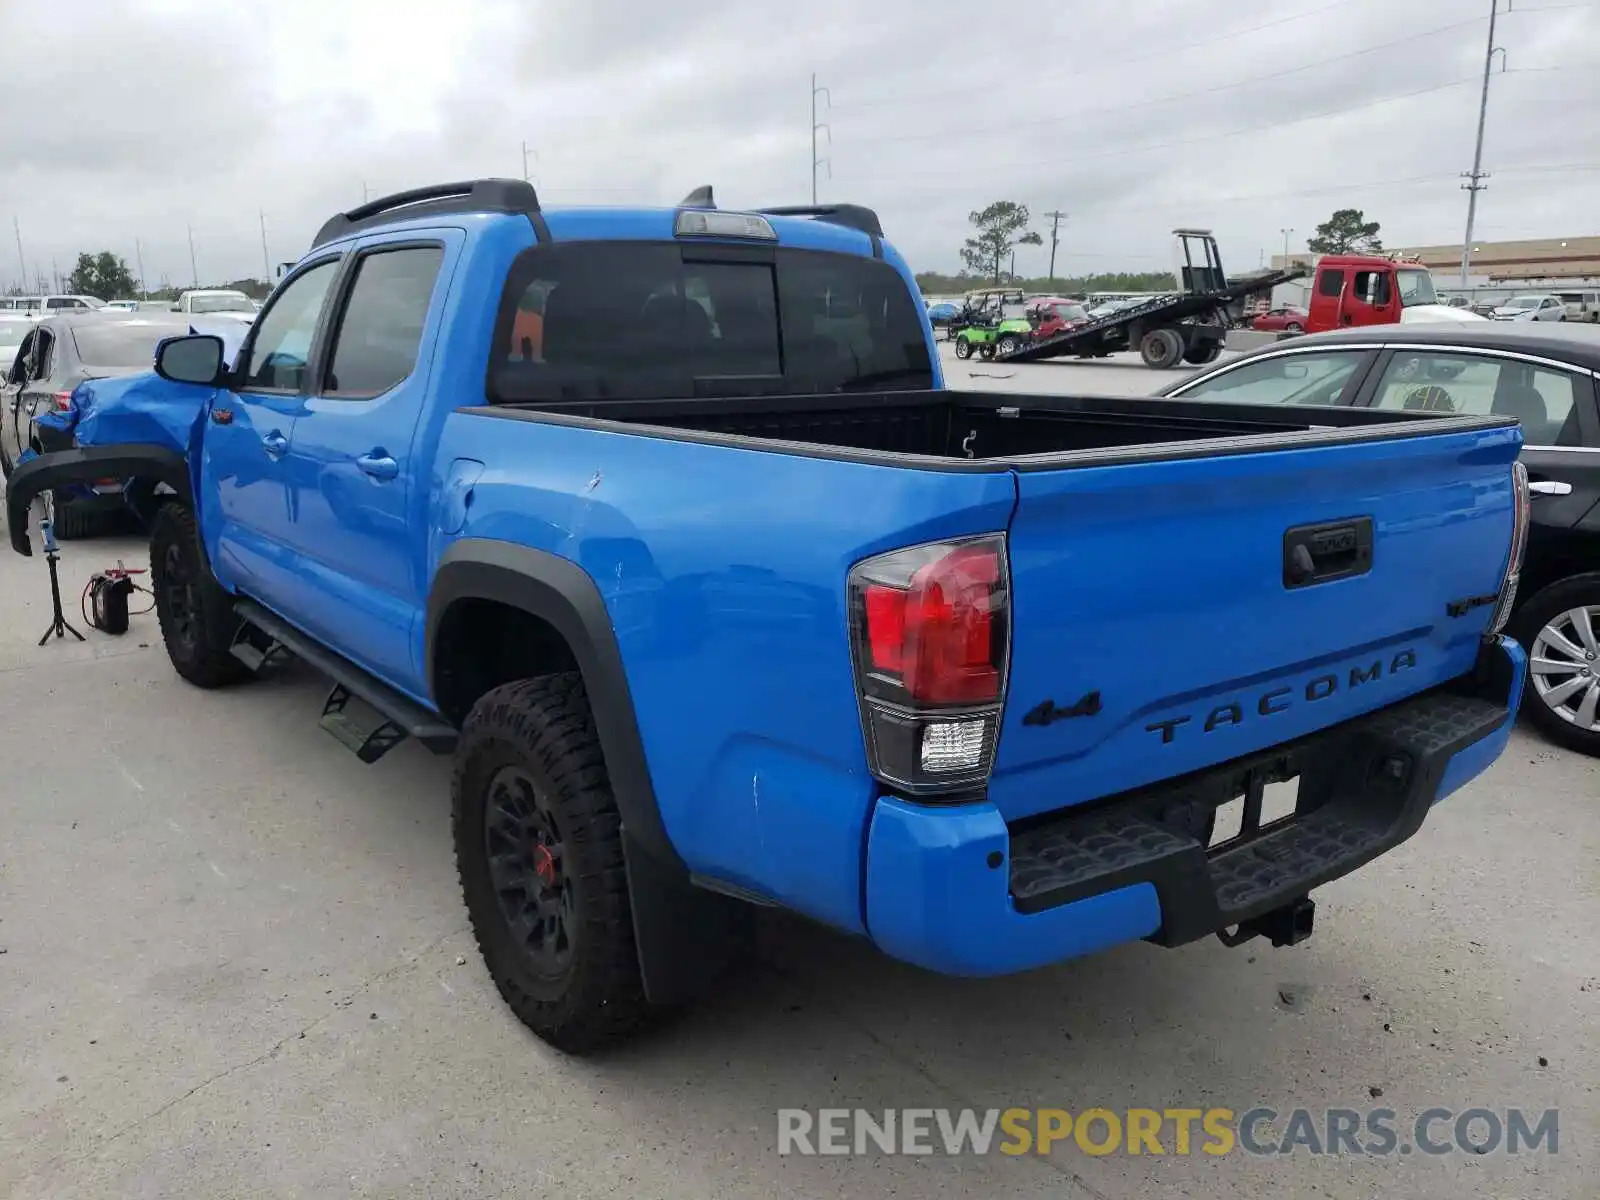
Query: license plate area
x: 1263, y: 806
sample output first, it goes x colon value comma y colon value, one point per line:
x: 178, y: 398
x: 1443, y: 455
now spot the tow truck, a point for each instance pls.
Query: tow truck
x: 1189, y: 325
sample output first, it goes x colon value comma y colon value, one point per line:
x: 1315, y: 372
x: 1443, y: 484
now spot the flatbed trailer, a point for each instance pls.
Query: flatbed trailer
x: 1188, y: 326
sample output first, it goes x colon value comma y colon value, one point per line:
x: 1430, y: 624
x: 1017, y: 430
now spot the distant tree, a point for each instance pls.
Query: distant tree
x: 1346, y: 232
x: 253, y: 288
x: 1000, y: 228
x: 103, y: 275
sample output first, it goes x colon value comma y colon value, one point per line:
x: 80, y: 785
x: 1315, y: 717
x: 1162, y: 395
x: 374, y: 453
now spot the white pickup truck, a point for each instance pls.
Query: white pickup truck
x: 216, y: 302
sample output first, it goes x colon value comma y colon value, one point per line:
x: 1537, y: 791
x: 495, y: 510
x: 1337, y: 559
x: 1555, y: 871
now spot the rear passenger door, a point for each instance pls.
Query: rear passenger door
x: 1555, y: 405
x: 358, y: 478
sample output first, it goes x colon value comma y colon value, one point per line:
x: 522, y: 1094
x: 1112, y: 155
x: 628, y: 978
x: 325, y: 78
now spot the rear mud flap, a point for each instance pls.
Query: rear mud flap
x: 86, y: 465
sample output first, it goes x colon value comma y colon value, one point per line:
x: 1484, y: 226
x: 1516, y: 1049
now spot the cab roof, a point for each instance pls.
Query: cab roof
x: 517, y: 197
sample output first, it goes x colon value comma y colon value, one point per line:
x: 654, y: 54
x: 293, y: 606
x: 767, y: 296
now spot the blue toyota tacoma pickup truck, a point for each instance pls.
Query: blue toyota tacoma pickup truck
x: 662, y: 523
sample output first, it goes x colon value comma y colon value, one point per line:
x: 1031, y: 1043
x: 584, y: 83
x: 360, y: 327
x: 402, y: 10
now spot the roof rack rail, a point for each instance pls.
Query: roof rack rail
x: 514, y: 196
x: 699, y: 198
x: 851, y: 216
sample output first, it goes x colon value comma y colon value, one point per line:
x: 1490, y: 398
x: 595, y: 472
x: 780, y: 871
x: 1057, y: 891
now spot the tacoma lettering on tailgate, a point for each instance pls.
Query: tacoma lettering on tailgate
x: 1281, y: 699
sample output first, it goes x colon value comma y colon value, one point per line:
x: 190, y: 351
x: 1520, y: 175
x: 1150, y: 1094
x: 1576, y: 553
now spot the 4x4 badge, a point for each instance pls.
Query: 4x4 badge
x: 1046, y: 712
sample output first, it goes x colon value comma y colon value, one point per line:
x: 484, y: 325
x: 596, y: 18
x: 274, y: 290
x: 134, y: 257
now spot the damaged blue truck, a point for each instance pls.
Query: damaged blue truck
x: 664, y: 525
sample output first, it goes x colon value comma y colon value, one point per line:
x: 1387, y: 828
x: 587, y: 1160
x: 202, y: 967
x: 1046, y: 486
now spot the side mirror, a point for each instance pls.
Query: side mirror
x: 196, y: 358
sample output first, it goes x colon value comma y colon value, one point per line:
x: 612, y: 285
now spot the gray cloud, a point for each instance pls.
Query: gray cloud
x: 154, y: 115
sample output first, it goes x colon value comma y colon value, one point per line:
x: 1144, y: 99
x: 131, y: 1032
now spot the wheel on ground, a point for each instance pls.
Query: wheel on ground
x: 1559, y: 627
x: 539, y: 850
x: 1294, y: 327
x: 963, y: 348
x: 1161, y: 348
x: 1203, y: 353
x: 1007, y: 344
x: 196, y: 616
x: 986, y: 351
x: 74, y: 521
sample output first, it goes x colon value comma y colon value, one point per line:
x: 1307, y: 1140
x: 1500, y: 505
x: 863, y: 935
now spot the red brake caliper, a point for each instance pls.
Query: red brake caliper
x: 544, y: 865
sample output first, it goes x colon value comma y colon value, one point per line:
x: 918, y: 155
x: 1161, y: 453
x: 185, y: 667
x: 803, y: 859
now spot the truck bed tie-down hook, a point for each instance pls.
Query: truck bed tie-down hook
x: 966, y: 443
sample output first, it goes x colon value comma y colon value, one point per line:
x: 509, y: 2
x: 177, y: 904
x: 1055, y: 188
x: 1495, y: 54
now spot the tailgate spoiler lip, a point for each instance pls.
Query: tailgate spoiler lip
x: 85, y: 465
x: 1255, y: 443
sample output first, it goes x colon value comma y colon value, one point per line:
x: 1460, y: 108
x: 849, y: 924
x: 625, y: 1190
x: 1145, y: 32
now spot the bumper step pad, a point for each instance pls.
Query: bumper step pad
x: 1365, y: 787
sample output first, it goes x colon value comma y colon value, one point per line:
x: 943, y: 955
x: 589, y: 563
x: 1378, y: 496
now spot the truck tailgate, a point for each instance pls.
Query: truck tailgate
x: 1163, y: 620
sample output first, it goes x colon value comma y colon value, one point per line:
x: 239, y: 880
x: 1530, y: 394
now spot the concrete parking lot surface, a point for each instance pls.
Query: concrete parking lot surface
x: 236, y: 963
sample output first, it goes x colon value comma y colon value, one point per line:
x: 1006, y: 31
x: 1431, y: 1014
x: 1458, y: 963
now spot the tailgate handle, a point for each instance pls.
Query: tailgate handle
x: 1315, y: 554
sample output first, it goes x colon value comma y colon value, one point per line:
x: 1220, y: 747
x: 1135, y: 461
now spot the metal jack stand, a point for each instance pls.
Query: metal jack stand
x: 59, y: 626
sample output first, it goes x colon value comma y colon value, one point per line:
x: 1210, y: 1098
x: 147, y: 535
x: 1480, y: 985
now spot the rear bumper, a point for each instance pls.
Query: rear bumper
x: 958, y: 891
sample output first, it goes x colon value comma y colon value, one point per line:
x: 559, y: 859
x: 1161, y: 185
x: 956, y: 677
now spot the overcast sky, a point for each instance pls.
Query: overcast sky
x: 141, y: 118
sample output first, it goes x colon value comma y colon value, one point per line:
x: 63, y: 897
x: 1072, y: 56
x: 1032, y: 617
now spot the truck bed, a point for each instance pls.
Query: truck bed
x: 989, y: 430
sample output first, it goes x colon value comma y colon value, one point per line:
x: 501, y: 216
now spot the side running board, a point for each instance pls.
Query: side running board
x: 399, y: 717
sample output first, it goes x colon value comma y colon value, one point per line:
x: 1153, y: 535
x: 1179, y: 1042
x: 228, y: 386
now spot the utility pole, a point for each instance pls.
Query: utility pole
x: 1475, y: 179
x: 526, y: 177
x: 55, y: 273
x: 266, y: 259
x: 1056, y: 217
x: 22, y: 263
x: 815, y: 126
x: 138, y: 257
x: 363, y: 191
x: 194, y: 264
x: 1013, y: 266
x: 1286, y: 233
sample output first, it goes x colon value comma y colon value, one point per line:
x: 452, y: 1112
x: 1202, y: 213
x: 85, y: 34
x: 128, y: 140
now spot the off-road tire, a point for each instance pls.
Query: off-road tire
x: 986, y: 351
x: 1536, y: 612
x: 73, y: 522
x: 543, y: 728
x: 196, y: 616
x: 963, y: 349
x: 1007, y: 344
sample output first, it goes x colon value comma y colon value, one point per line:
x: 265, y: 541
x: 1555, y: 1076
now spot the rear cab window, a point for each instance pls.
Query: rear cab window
x: 648, y: 320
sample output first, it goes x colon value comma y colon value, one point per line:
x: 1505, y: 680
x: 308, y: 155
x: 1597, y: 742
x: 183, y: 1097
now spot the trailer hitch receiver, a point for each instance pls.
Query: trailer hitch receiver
x: 1288, y: 925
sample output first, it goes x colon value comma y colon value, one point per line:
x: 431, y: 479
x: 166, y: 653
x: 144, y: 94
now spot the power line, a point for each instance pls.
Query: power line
x: 1078, y: 114
x: 815, y: 161
x: 968, y: 166
x: 1056, y: 217
x: 1242, y: 131
x: 1121, y: 62
x: 1475, y: 178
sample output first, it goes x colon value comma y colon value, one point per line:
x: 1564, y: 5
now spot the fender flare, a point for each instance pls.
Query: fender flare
x: 685, y: 936
x: 85, y: 465
x: 561, y: 593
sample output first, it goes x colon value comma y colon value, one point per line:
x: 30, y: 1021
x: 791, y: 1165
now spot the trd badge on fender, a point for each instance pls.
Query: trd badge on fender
x: 1281, y: 699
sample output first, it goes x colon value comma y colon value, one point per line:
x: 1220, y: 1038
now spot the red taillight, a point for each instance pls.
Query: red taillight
x: 938, y: 632
x: 930, y: 625
x: 63, y: 401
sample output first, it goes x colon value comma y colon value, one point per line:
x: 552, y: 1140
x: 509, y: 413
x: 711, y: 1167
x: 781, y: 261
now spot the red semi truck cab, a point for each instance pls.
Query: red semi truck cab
x: 1374, y: 289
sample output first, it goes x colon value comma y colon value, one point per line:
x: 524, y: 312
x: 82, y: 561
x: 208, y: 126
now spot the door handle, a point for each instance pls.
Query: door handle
x: 378, y: 464
x: 1550, y: 487
x: 274, y: 444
